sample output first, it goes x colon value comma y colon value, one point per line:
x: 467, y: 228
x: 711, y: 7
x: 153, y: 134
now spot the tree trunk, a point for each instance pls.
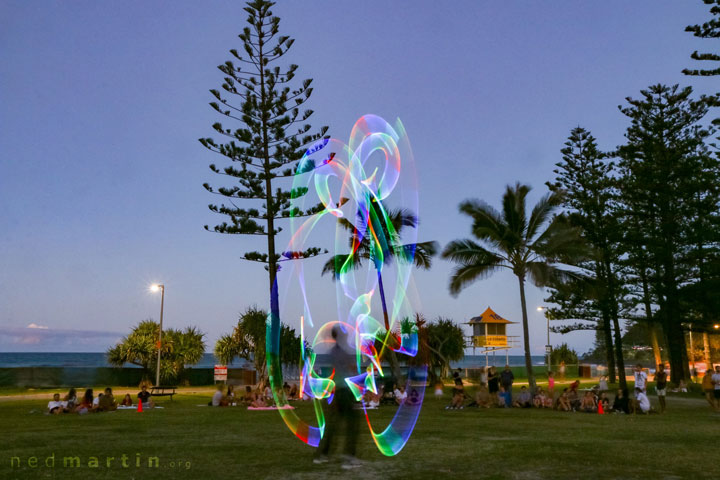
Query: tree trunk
x: 389, y: 337
x: 526, y: 334
x: 675, y: 339
x: 609, y: 350
x: 655, y: 344
x: 706, y: 350
x: 619, y: 351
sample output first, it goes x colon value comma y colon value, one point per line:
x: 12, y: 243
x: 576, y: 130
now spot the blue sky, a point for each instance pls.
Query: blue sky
x: 101, y: 105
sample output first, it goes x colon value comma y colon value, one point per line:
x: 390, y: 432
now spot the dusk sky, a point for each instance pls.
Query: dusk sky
x: 102, y: 103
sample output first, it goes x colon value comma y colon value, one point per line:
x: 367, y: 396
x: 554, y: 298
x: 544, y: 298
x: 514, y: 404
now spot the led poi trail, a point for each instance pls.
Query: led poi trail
x: 355, y: 185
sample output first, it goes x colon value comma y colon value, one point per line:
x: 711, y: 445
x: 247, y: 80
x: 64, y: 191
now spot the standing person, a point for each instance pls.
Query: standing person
x: 493, y: 385
x: 342, y: 409
x: 707, y: 386
x: 483, y: 375
x: 660, y: 385
x: 506, y: 379
x: 716, y: 387
x: 640, y: 378
x: 562, y: 370
x: 551, y: 385
x: 602, y: 384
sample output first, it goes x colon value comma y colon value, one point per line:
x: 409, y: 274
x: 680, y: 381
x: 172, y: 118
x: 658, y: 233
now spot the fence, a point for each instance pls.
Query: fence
x: 121, y: 377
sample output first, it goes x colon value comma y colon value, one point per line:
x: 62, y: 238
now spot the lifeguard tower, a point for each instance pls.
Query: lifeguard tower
x: 490, y: 335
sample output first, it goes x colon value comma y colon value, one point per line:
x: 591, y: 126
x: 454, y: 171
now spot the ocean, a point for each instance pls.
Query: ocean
x: 40, y: 359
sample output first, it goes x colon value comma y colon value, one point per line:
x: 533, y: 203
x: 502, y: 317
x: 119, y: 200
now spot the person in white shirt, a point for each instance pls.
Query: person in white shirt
x: 218, y: 396
x: 643, y: 402
x: 400, y: 395
x: 55, y: 406
x: 640, y: 378
x: 716, y: 387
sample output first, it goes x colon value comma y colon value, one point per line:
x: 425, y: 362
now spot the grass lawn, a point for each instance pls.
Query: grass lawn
x: 209, y: 443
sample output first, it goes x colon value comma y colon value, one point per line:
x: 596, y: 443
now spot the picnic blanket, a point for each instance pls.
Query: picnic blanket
x: 284, y: 407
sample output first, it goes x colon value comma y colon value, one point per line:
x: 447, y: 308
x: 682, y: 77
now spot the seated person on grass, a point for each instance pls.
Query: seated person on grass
x: 457, y: 400
x: 86, y: 403
x: 503, y: 397
x: 642, y: 402
x: 144, y: 397
x: 218, y: 399
x: 70, y: 400
x: 563, y: 403
x: 249, y: 396
x: 107, y: 403
x: 540, y: 399
x: 400, y: 395
x: 604, y: 401
x: 574, y: 398
x: 293, y: 395
x: 482, y: 396
x: 127, y: 401
x: 413, y: 398
x: 371, y: 400
x: 620, y: 403
x: 55, y: 406
x: 588, y: 403
x: 258, y: 401
x: 524, y: 399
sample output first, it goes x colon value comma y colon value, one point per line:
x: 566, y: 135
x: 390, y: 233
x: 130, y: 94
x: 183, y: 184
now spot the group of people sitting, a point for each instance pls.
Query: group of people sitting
x: 499, y: 394
x: 260, y: 397
x: 89, y: 403
x: 395, y: 396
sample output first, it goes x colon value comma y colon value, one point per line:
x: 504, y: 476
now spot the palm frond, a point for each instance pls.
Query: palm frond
x: 561, y: 242
x: 543, y: 274
x: 419, y: 253
x: 488, y: 225
x: 513, y: 202
x: 339, y: 264
x: 475, y: 262
x: 541, y: 213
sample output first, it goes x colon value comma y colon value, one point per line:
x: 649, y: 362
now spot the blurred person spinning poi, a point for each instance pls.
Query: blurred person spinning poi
x: 343, y: 416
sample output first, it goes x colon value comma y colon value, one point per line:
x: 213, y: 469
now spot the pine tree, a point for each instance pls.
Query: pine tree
x: 665, y: 167
x: 709, y: 29
x: 585, y: 175
x: 257, y: 94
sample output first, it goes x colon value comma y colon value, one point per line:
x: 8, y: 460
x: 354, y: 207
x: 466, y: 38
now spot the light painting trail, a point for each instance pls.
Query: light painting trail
x: 355, y: 185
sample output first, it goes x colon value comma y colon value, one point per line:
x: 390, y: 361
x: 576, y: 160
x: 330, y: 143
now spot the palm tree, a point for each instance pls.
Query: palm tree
x: 529, y: 247
x: 381, y: 246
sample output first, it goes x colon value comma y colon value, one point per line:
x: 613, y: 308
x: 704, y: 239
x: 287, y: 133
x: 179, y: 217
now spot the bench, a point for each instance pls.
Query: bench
x: 162, y: 392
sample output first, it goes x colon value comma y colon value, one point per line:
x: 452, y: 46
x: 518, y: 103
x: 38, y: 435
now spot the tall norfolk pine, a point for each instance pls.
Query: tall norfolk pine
x: 585, y: 176
x: 257, y: 94
x: 666, y: 169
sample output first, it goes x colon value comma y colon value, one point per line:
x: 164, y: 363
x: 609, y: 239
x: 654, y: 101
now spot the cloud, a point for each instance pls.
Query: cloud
x: 35, y: 325
x: 38, y: 336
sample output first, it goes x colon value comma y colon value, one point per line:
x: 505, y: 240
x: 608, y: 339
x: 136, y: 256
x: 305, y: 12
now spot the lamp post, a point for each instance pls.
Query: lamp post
x: 548, y: 347
x: 155, y: 288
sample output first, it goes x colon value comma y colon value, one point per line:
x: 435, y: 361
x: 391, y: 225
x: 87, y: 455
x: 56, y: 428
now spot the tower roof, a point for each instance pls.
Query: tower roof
x: 488, y: 316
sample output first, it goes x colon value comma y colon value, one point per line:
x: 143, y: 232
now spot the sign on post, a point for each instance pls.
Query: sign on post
x: 220, y: 373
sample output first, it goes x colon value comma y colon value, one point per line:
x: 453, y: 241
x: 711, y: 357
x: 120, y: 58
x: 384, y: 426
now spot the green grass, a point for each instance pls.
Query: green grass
x: 236, y: 443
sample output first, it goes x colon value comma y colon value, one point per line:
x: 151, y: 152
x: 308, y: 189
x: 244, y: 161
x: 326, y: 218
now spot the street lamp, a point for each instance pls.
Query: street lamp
x: 716, y: 326
x: 548, y: 347
x: 155, y: 288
